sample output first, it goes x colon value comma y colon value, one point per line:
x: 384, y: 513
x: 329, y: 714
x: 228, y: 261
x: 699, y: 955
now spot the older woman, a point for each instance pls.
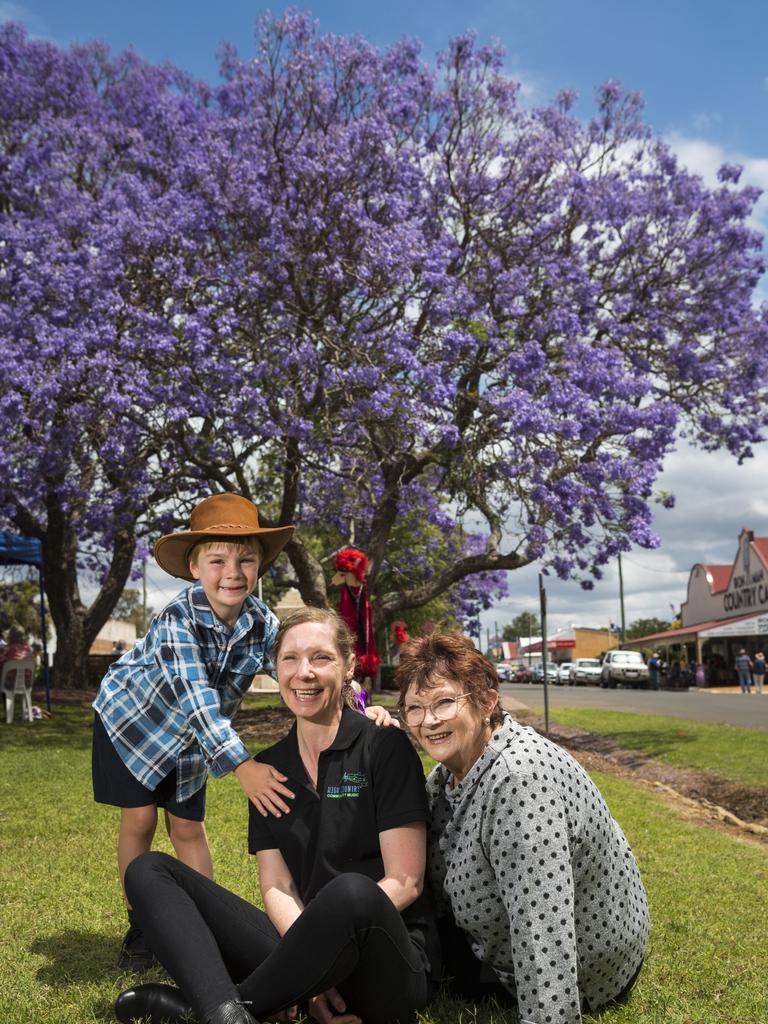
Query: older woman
x: 539, y: 896
x: 346, y: 927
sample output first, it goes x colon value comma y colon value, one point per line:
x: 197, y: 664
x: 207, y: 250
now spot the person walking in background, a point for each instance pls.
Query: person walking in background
x: 654, y: 671
x: 743, y: 666
x: 758, y: 671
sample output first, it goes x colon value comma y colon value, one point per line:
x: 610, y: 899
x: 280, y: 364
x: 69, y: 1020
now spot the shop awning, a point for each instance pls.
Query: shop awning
x: 741, y: 625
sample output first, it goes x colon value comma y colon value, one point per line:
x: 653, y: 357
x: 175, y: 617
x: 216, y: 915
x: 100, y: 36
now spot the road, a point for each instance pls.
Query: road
x: 750, y: 712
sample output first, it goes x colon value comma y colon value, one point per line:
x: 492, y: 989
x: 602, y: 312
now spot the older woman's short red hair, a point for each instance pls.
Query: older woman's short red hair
x: 453, y: 657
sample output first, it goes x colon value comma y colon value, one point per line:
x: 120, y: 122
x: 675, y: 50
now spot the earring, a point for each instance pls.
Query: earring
x: 487, y: 720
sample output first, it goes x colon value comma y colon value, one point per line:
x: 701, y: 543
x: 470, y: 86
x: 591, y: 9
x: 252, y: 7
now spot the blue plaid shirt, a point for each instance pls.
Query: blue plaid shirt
x: 167, y: 703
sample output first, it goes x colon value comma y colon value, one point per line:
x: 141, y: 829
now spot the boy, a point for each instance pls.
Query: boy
x: 163, y: 710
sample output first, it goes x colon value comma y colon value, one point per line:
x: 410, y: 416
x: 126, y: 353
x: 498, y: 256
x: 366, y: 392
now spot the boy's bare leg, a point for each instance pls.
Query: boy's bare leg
x: 137, y: 830
x: 190, y: 841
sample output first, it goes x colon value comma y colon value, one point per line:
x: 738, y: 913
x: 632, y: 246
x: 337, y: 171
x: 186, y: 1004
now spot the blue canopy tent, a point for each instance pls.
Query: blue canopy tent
x: 18, y: 550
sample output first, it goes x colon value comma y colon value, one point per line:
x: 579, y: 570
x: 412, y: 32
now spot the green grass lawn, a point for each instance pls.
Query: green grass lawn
x: 726, y: 750
x: 61, y: 917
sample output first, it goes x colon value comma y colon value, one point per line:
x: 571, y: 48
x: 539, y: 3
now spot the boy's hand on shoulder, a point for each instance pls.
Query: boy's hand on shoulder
x: 263, y: 785
x: 380, y: 716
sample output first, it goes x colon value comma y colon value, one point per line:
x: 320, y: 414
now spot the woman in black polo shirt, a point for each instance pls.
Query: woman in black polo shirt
x: 346, y: 927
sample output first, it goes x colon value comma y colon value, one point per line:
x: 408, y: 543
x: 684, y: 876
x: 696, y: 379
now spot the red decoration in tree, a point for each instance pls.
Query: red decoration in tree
x: 354, y: 561
x: 399, y: 632
x: 355, y: 608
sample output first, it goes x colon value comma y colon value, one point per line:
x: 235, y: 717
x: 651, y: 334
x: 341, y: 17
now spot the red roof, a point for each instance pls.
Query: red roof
x: 721, y: 574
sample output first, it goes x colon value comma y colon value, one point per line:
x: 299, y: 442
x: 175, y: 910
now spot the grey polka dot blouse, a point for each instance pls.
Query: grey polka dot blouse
x: 525, y: 856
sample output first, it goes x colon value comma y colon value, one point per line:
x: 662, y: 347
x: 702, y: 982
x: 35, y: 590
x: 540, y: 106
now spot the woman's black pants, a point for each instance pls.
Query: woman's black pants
x: 217, y: 946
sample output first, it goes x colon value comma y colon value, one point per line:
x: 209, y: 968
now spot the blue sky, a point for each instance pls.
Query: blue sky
x: 702, y: 69
x: 700, y: 65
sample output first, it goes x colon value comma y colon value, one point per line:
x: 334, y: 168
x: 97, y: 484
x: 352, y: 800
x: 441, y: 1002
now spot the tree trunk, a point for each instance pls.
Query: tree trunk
x: 77, y: 625
x: 309, y: 573
x: 63, y: 595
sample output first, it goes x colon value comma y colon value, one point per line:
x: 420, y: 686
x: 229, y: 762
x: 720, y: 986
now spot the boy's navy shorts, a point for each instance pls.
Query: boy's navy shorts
x: 114, y: 784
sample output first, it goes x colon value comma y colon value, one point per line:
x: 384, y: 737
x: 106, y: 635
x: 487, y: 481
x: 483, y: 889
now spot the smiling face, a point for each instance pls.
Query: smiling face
x: 458, y: 742
x: 311, y: 672
x: 228, y: 574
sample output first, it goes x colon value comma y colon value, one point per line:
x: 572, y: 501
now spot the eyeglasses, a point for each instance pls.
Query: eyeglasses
x: 443, y: 709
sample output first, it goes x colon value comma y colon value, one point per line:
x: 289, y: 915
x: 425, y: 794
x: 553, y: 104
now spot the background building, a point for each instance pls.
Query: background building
x: 726, y: 609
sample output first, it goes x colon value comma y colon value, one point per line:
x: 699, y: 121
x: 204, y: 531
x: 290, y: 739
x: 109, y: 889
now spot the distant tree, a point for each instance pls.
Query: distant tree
x: 129, y: 608
x: 523, y: 625
x: 20, y: 606
x: 644, y: 627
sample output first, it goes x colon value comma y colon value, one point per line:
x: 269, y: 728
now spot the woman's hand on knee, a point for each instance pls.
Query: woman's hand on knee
x: 329, y: 1008
x: 288, y: 1014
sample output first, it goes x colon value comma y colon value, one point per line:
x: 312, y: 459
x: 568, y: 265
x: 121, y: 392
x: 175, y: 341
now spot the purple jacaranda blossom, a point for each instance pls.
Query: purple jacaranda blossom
x: 362, y: 290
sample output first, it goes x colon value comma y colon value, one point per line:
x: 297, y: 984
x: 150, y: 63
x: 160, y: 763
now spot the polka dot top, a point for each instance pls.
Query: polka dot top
x: 525, y: 856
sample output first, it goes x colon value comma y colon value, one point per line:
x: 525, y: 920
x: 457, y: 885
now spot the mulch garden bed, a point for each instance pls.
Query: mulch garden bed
x: 747, y: 804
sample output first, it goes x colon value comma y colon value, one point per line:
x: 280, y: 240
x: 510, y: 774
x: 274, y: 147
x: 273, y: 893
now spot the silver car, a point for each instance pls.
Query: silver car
x: 585, y: 671
x: 538, y: 673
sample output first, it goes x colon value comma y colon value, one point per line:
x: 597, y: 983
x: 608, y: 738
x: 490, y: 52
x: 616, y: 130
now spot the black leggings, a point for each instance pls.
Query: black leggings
x: 217, y: 946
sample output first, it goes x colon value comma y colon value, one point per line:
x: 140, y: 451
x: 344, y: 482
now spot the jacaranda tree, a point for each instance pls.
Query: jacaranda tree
x: 96, y: 212
x: 362, y: 290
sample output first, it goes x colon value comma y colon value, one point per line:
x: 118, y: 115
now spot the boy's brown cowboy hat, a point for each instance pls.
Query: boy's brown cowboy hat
x: 222, y: 516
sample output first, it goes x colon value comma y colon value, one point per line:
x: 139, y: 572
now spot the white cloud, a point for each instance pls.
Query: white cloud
x: 703, y: 122
x: 705, y: 158
x: 10, y: 11
x: 715, y: 499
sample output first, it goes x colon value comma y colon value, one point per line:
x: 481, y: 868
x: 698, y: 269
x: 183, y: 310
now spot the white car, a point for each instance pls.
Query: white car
x: 585, y: 672
x: 564, y: 673
x: 624, y: 668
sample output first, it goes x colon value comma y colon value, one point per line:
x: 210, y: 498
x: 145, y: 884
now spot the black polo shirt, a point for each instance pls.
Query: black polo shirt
x: 369, y: 780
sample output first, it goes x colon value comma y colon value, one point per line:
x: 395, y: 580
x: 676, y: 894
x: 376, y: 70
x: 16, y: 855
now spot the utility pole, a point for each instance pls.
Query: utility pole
x: 621, y: 601
x: 543, y: 605
x: 144, y: 623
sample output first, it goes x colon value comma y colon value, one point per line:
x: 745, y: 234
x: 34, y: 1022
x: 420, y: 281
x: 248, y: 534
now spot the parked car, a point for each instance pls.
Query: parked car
x: 505, y: 671
x: 538, y: 672
x: 563, y: 673
x: 523, y: 675
x: 585, y: 671
x: 625, y: 667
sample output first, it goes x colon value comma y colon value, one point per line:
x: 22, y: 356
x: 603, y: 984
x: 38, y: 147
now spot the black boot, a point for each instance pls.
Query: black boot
x: 231, y: 1012
x: 160, y: 1004
x: 135, y: 954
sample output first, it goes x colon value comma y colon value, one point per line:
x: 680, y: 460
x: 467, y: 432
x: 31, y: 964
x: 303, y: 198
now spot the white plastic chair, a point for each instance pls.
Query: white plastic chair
x: 16, y: 678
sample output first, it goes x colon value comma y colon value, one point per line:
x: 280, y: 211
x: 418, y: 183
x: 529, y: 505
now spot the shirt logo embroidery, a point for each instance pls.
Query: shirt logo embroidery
x: 350, y: 786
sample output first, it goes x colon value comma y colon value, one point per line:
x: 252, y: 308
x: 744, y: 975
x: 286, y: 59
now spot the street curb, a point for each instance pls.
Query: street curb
x: 510, y: 704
